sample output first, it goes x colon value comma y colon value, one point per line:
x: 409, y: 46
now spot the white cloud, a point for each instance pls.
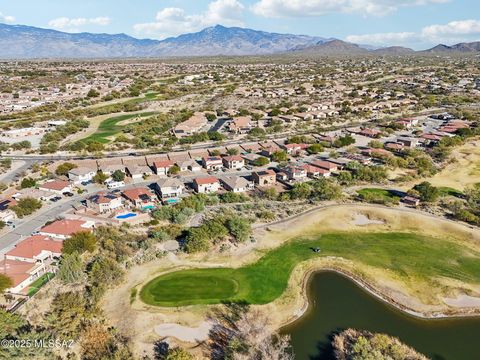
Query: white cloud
x: 174, y: 21
x: 454, y: 29
x: 69, y: 24
x: 305, y: 8
x: 451, y: 33
x: 382, y: 38
x: 6, y: 18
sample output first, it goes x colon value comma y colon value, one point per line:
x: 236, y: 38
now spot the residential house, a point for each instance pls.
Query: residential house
x: 109, y: 169
x: 207, y: 184
x: 264, y: 178
x: 269, y: 150
x: 236, y: 184
x: 250, y: 158
x: 138, y: 172
x: 233, y: 162
x: 315, y: 171
x: 56, y: 186
x: 162, y: 167
x: 36, y: 248
x: 168, y: 188
x: 408, y: 141
x: 35, y: 194
x: 63, y: 229
x: 22, y: 273
x: 81, y: 174
x: 294, y: 149
x: 371, y: 133
x: 241, y: 125
x: 103, y: 203
x: 212, y: 162
x: 191, y: 126
x: 189, y: 164
x: 295, y: 172
x: 139, y: 197
x: 327, y: 165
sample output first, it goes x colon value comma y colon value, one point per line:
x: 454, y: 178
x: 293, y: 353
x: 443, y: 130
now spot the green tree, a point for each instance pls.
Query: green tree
x: 95, y: 146
x: 232, y: 151
x: 261, y: 161
x: 93, y: 93
x: 28, y: 183
x: 344, y: 141
x: 174, y: 170
x: 279, y: 156
x: 178, y: 354
x: 239, y: 228
x: 257, y: 133
x: 118, y: 175
x: 64, y: 168
x: 197, y: 240
x: 100, y: 177
x: 105, y: 272
x: 71, y: 268
x: 80, y: 242
x: 26, y: 206
x: 211, y: 116
x: 315, y: 149
x: 67, y: 314
x: 428, y: 193
x: 5, y: 283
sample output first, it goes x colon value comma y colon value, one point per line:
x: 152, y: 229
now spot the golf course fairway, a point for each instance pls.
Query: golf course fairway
x: 406, y: 255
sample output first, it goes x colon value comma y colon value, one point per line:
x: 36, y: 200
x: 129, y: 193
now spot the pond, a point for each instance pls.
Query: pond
x: 337, y: 303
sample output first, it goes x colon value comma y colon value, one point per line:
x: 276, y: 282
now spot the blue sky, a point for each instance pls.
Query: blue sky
x: 414, y: 23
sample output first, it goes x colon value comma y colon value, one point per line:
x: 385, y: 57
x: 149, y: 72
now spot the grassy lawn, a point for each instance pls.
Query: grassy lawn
x: 109, y: 127
x: 448, y: 191
x: 378, y: 194
x: 37, y: 284
x: 409, y: 256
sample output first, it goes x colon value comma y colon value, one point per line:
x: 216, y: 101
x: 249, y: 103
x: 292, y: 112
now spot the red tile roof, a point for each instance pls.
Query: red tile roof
x: 206, y: 180
x: 33, y: 246
x: 134, y: 194
x: 16, y: 270
x: 163, y: 164
x: 325, y: 164
x: 233, y: 158
x: 64, y: 227
x: 55, y: 185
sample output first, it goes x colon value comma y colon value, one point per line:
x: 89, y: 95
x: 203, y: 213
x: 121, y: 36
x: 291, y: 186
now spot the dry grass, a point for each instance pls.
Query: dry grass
x: 464, y: 170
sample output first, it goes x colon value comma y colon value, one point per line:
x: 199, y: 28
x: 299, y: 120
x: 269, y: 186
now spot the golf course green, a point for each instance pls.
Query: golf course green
x: 409, y: 256
x: 109, y: 127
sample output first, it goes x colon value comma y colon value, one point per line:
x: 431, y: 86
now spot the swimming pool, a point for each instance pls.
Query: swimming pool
x: 148, y: 207
x: 125, y: 216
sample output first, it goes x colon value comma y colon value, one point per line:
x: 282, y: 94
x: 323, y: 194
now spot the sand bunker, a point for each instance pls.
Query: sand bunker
x: 185, y: 333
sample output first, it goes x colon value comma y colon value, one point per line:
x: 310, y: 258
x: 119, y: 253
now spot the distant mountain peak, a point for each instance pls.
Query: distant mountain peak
x: 21, y: 41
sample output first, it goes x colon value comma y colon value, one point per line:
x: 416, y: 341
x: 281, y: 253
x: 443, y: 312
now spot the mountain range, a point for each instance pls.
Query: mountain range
x: 27, y: 42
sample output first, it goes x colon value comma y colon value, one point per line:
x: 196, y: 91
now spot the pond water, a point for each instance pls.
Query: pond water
x: 337, y: 303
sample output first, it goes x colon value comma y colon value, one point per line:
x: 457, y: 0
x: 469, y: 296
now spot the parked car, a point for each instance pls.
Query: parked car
x: 67, y: 193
